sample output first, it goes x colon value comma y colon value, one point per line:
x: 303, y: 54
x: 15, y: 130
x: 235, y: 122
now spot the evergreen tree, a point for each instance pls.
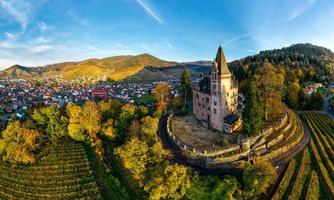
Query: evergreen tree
x: 253, y: 113
x: 186, y: 86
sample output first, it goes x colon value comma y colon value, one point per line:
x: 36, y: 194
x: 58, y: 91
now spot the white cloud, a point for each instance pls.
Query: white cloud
x: 43, y: 26
x: 150, y: 11
x: 20, y: 11
x: 300, y: 10
x: 10, y: 36
x: 77, y: 19
x: 236, y: 38
x: 42, y: 40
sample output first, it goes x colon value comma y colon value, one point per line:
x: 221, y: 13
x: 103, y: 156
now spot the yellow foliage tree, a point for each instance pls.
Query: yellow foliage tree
x: 18, y: 144
x: 162, y: 92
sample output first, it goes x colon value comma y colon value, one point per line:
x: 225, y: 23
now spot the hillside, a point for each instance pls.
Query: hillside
x: 312, y: 60
x: 116, y: 68
x: 17, y: 71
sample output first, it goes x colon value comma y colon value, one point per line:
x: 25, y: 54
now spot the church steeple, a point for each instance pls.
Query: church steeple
x: 221, y: 62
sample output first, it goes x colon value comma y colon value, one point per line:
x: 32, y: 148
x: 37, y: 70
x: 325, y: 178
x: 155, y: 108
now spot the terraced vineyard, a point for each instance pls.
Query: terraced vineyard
x: 311, y: 174
x: 65, y: 173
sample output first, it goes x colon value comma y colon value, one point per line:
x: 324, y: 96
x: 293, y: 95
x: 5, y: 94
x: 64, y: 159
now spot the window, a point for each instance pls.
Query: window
x: 226, y: 103
x: 207, y: 99
x: 197, y: 96
x: 215, y: 103
x: 199, y: 104
x: 228, y: 94
x: 215, y: 110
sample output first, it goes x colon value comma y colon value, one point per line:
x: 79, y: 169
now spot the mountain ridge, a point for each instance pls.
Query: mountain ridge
x: 136, y: 67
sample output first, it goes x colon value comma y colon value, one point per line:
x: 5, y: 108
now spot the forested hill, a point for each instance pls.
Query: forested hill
x: 314, y: 61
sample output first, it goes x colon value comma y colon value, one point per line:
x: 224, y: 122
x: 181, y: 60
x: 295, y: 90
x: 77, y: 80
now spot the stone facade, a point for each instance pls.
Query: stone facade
x: 216, y: 96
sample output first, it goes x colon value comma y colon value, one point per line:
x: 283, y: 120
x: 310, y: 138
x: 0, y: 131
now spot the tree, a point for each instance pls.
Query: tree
x: 141, y: 111
x: 168, y: 181
x: 134, y: 155
x: 258, y: 177
x: 91, y: 119
x: 51, y: 121
x: 186, y: 86
x: 75, y: 128
x: 110, y: 109
x: 162, y: 92
x: 19, y: 144
x: 150, y: 127
x: 269, y: 82
x: 214, y: 188
x: 253, y: 113
x: 108, y: 129
x: 316, y: 101
x: 293, y: 94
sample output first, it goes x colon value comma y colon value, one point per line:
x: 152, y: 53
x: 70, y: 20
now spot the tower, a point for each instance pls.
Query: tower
x: 223, y: 91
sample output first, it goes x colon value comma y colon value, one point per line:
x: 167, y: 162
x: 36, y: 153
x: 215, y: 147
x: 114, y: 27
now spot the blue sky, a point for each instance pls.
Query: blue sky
x: 39, y: 32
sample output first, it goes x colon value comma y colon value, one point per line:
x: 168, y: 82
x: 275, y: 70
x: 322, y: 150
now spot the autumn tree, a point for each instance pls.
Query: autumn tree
x: 167, y: 181
x: 108, y: 129
x: 51, y: 120
x: 134, y: 156
x: 269, y: 82
x: 85, y: 124
x: 110, y: 109
x: 19, y: 144
x: 91, y: 119
x: 162, y: 92
x: 186, y: 86
x: 75, y: 128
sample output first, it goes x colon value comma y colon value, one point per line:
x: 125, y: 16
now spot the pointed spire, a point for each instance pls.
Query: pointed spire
x: 222, y: 65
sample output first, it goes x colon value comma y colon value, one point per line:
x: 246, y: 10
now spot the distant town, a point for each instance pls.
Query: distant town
x: 17, y: 95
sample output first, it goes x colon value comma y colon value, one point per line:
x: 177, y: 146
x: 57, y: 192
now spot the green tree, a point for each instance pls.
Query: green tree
x: 258, y: 177
x: 214, y: 188
x: 316, y: 101
x: 186, y: 86
x: 51, y: 121
x: 253, y: 112
x: 141, y: 111
x: 293, y: 94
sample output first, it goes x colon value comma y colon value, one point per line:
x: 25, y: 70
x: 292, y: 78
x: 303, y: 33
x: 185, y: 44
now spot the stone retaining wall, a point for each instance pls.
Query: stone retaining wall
x: 209, y: 158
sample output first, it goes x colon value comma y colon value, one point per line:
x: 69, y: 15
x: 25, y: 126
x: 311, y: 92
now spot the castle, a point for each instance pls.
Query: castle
x: 215, y: 98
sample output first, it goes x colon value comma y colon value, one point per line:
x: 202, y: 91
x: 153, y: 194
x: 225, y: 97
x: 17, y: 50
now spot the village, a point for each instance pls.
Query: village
x: 18, y: 95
